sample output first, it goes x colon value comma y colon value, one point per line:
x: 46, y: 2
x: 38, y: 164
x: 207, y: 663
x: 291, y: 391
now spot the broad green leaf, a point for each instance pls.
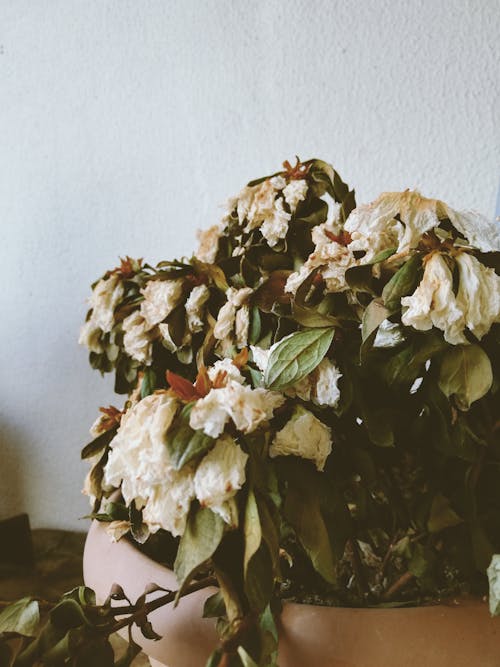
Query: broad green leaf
x: 184, y: 443
x: 259, y: 579
x: 311, y: 317
x: 402, y: 283
x: 302, y: 509
x: 296, y: 356
x: 442, y: 515
x: 383, y: 255
x: 252, y: 530
x: 202, y: 536
x: 360, y: 279
x: 21, y: 617
x: 314, y: 211
x: 466, y: 374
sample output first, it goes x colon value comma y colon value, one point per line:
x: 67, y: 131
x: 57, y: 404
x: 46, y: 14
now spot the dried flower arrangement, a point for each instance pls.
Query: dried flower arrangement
x: 313, y: 405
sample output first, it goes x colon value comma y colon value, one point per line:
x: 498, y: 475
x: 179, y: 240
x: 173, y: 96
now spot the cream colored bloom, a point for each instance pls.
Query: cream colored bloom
x: 168, y: 504
x: 90, y: 336
x: 275, y: 224
x: 226, y: 318
x: 195, y: 307
x: 105, y: 296
x: 160, y: 298
x: 295, y: 192
x: 332, y: 258
x: 208, y: 240
x: 241, y: 327
x: 434, y: 303
x: 219, y: 476
x: 248, y: 408
x: 138, y: 457
x: 305, y: 436
x: 374, y: 227
x: 478, y: 294
x: 137, y: 338
x: 225, y: 367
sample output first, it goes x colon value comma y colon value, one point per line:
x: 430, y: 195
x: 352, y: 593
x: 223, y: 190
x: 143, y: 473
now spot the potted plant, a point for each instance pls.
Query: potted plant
x: 311, y: 433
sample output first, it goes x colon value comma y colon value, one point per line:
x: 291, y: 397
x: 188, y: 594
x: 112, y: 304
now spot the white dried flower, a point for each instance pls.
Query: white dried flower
x: 228, y: 369
x: 278, y: 182
x: 305, y: 436
x: 138, y: 458
x: 195, y: 307
x: 160, y: 298
x: 331, y: 257
x: 295, y: 192
x: 168, y: 504
x: 478, y: 294
x: 275, y: 224
x: 241, y: 327
x: 434, y: 303
x: 248, y: 408
x: 137, y: 338
x: 105, y: 296
x: 208, y: 240
x: 90, y: 336
x: 219, y: 476
x: 225, y: 323
x: 326, y: 391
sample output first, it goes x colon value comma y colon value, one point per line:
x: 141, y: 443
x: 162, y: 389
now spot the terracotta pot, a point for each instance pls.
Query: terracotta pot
x: 454, y: 635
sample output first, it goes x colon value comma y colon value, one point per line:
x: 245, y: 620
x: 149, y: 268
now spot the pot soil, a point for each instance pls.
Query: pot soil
x: 458, y: 634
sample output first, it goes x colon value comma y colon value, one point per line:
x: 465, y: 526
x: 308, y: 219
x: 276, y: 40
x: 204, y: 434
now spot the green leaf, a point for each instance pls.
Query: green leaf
x: 21, y: 617
x: 311, y: 317
x: 255, y: 326
x: 314, y: 211
x: 373, y: 317
x: 402, y: 283
x: 442, y: 515
x: 252, y: 529
x: 214, y: 606
x: 202, y: 536
x: 383, y: 255
x: 466, y: 374
x: 184, y: 443
x: 259, y: 579
x: 302, y: 509
x: 148, y: 382
x: 296, y: 356
x: 99, y: 443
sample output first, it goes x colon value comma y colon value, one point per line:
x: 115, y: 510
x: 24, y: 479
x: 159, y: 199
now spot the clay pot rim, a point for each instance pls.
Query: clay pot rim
x: 126, y: 545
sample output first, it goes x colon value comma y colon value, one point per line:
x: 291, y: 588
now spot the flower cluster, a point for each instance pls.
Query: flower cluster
x: 312, y: 399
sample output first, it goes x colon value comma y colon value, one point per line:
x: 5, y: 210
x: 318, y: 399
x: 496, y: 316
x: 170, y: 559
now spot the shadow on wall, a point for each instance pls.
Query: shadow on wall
x: 12, y: 443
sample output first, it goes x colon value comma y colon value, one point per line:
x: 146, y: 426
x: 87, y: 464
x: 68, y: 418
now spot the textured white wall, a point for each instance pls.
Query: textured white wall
x: 124, y: 124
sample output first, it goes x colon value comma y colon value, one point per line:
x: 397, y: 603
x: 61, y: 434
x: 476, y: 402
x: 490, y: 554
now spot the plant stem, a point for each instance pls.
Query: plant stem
x: 403, y: 580
x: 156, y: 604
x: 357, y: 566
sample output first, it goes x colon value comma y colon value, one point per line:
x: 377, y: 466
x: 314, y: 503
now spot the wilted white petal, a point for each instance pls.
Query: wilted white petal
x: 326, y: 379
x: 210, y: 414
x: 434, y: 303
x: 278, y: 182
x: 195, y: 307
x: 219, y: 476
x: 117, y: 529
x: 260, y: 357
x: 480, y: 231
x: 208, y: 240
x: 168, y: 504
x: 225, y: 321
x: 90, y: 336
x: 241, y: 327
x: 275, y: 225
x: 295, y: 192
x: 389, y: 334
x: 478, y: 294
x: 160, y: 298
x: 225, y: 366
x: 105, y: 296
x: 249, y: 408
x: 493, y: 572
x: 137, y: 338
x: 305, y: 436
